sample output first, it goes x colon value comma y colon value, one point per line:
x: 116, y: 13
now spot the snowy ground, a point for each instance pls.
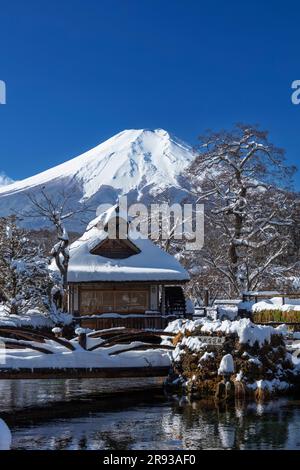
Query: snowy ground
x: 63, y: 358
x: 34, y: 320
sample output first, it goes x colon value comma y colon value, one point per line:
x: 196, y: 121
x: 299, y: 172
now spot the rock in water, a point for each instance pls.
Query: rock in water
x: 5, y: 436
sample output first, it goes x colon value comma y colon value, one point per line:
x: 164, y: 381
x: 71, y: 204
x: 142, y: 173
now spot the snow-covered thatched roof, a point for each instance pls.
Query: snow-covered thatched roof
x: 151, y: 263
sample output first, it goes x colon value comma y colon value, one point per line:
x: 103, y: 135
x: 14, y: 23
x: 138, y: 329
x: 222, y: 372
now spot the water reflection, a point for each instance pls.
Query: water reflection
x: 243, y: 426
x: 15, y: 394
x: 161, y: 423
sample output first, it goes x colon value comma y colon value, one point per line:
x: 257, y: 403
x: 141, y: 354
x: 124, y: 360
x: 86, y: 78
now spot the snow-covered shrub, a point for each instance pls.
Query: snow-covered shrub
x: 256, y: 353
x: 25, y: 281
x: 31, y: 319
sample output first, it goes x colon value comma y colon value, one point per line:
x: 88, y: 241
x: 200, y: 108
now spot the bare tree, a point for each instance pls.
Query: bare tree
x: 56, y: 211
x: 243, y: 179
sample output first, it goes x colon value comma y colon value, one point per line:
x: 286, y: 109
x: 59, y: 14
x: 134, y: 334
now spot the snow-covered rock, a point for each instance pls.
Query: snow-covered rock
x: 5, y: 436
x: 56, y: 330
x: 270, y: 385
x: 206, y: 356
x: 226, y: 365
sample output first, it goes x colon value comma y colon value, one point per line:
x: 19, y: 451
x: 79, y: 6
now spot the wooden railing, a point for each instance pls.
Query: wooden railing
x: 155, y: 322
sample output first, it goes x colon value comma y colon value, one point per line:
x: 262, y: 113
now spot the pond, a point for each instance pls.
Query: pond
x: 124, y: 415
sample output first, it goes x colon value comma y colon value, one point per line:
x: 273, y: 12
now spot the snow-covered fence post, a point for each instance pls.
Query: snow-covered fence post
x: 225, y: 389
x: 206, y: 297
x: 82, y: 338
x: 163, y: 300
x: 57, y: 332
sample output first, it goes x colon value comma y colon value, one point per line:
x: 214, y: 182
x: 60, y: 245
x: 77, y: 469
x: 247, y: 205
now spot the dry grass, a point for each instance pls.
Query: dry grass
x: 266, y: 316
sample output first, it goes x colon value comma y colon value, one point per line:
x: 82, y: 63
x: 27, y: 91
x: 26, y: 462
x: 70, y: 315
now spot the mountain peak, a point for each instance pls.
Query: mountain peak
x: 134, y: 134
x: 135, y: 161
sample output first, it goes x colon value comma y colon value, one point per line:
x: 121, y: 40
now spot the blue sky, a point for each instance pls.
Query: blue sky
x: 79, y: 71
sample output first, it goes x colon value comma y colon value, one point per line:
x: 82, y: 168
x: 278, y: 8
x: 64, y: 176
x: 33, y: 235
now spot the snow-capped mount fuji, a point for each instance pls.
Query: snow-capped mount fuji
x: 139, y: 163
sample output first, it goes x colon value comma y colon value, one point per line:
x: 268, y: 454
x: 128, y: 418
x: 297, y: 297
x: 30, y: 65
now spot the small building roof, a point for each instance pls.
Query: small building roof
x: 151, y: 263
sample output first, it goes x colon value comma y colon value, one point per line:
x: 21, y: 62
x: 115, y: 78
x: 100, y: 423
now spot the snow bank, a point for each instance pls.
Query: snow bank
x: 5, y: 436
x: 33, y: 318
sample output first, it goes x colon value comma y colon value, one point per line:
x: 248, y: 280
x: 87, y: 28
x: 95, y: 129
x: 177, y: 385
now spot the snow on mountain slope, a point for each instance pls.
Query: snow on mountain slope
x: 130, y: 159
x: 140, y: 163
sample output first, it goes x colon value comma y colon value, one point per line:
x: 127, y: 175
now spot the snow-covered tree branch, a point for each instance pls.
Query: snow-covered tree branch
x: 25, y: 280
x: 55, y: 212
x: 245, y: 184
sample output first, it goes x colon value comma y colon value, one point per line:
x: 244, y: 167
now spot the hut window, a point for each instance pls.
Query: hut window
x: 115, y: 301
